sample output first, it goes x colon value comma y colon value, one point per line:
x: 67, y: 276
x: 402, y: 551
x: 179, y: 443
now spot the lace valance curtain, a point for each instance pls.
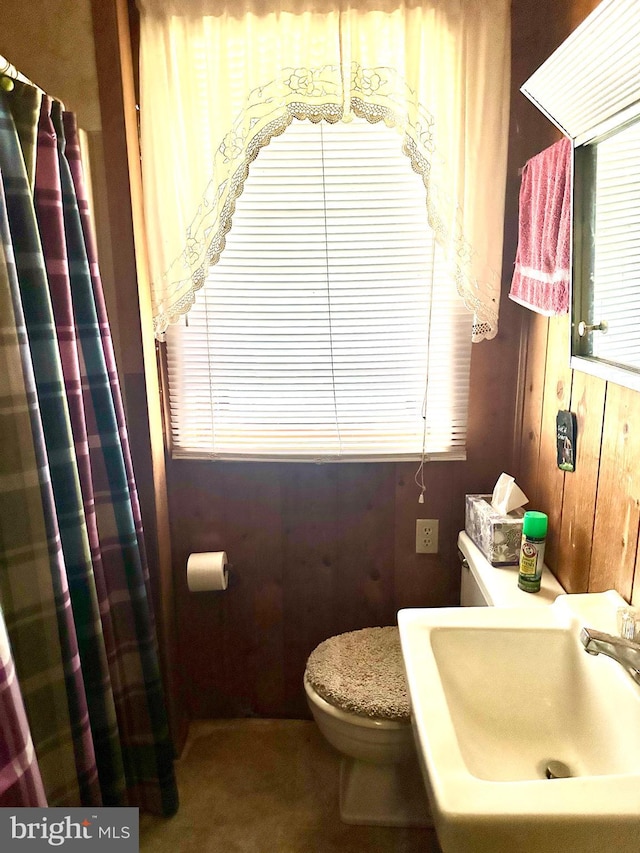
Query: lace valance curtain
x: 218, y: 80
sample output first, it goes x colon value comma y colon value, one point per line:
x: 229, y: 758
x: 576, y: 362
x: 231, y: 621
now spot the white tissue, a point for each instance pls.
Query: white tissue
x: 507, y: 496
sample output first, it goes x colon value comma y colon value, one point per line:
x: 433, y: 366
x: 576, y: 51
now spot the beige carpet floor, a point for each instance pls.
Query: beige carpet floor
x: 265, y: 786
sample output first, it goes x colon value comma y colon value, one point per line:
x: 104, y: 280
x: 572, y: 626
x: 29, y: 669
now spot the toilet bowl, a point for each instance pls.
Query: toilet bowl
x: 355, y: 689
x: 363, y: 738
x: 368, y: 722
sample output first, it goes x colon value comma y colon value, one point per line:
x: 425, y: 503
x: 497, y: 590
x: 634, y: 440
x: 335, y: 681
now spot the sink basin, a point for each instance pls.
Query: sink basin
x: 519, y: 697
x: 498, y: 695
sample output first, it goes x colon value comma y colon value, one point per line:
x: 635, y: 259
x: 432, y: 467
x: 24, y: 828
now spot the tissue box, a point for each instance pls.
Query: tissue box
x: 497, y: 536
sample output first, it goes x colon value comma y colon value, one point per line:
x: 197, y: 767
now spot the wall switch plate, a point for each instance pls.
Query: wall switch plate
x: 426, y: 536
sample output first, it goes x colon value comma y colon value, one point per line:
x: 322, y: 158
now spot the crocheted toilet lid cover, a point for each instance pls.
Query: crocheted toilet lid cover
x: 362, y: 672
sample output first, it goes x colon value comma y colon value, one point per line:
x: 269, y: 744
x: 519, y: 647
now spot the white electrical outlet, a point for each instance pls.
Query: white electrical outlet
x: 426, y: 536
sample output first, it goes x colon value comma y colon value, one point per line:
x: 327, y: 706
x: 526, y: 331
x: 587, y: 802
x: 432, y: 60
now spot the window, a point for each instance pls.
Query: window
x: 330, y: 323
x: 612, y: 257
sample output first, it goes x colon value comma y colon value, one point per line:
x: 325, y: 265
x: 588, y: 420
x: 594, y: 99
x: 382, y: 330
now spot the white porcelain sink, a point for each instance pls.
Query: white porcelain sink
x: 497, y: 694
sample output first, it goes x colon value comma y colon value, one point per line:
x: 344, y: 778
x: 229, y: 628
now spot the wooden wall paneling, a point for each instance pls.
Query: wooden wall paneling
x: 254, y: 614
x: 310, y: 566
x: 316, y: 550
x: 425, y: 580
x: 534, y: 379
x: 231, y: 642
x: 366, y: 521
x: 635, y: 594
x: 518, y: 415
x: 492, y: 401
x: 197, y: 518
x: 556, y: 395
x: 573, y: 555
x: 240, y: 637
x: 615, y: 536
x: 580, y: 9
x: 537, y: 29
x: 102, y: 231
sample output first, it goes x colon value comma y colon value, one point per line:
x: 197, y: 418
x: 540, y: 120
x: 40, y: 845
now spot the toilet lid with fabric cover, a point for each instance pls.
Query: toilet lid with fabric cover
x: 362, y: 672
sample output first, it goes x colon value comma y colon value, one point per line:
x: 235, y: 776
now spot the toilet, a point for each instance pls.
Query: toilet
x: 356, y: 691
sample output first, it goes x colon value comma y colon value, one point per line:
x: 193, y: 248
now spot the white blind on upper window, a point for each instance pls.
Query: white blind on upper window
x: 616, y: 258
x: 593, y: 75
x: 329, y: 316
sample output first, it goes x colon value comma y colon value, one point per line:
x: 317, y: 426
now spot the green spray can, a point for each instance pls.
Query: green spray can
x: 534, y: 534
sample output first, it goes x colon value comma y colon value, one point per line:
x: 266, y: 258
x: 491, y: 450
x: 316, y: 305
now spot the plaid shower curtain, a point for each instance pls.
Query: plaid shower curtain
x: 89, y: 725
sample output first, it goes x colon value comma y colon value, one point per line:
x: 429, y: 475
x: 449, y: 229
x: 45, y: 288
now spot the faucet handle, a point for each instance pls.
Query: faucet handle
x: 628, y: 622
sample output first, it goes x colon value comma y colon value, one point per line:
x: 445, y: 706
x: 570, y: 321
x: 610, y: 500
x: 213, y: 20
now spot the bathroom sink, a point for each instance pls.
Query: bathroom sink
x: 503, y: 699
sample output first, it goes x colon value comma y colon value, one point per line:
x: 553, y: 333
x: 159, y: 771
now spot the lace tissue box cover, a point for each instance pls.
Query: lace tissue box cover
x: 497, y: 536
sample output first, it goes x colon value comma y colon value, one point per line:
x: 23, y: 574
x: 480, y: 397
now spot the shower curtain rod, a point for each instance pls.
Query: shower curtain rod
x: 9, y: 70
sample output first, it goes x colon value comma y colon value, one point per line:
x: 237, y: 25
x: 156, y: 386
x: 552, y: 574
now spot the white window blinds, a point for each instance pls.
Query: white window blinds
x: 593, y: 75
x: 329, y: 316
x: 616, y: 250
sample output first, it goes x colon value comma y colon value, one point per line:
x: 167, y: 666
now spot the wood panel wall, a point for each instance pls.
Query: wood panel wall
x: 316, y: 550
x: 594, y: 512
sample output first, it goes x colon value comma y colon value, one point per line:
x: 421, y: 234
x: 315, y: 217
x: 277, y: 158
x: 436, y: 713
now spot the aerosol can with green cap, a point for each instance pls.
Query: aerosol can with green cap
x: 534, y: 534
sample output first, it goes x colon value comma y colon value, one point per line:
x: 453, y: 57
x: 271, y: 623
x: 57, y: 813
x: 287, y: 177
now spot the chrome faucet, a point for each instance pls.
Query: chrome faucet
x: 626, y: 652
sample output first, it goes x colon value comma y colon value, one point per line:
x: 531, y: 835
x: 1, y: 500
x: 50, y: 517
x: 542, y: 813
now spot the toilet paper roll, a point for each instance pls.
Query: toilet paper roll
x: 207, y: 571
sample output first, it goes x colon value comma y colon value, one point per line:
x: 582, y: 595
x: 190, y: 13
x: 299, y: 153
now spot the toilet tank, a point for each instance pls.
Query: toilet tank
x: 484, y: 585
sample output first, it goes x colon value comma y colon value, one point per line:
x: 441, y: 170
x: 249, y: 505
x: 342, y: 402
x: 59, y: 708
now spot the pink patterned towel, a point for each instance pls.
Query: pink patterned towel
x: 541, y: 275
